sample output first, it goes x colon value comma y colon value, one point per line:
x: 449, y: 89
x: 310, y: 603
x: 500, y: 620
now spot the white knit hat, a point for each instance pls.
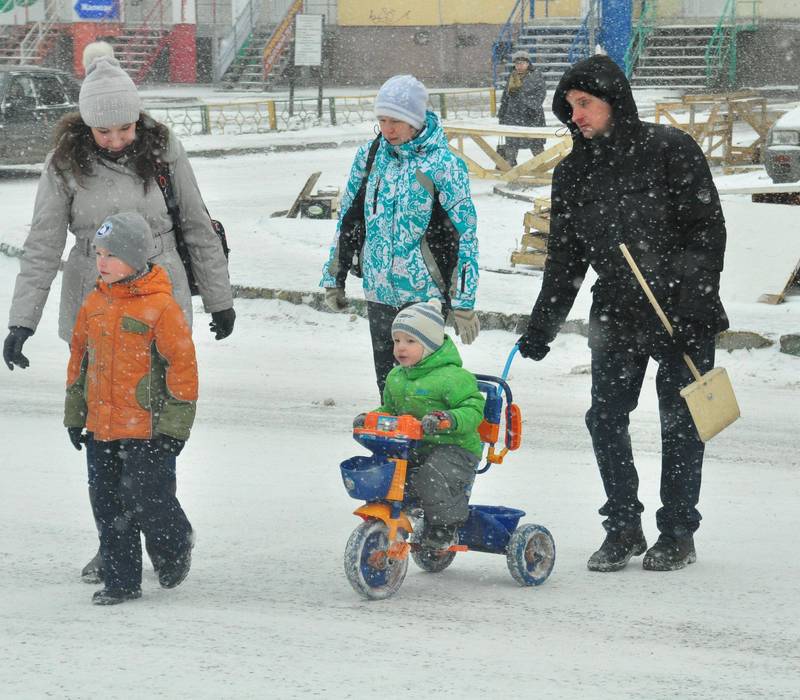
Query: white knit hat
x: 108, y: 96
x: 424, y: 322
x: 403, y: 97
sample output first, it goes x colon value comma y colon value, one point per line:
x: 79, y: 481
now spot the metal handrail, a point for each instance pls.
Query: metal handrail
x: 280, y: 36
x: 722, y: 46
x: 644, y: 28
x: 586, y: 38
x: 509, y: 33
x: 236, y: 38
x: 32, y: 41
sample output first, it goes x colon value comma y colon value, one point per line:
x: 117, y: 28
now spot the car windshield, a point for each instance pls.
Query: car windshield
x: 3, y: 78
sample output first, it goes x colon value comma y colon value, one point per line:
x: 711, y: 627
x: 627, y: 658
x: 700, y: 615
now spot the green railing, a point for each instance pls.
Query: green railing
x: 264, y: 116
x: 641, y: 33
x: 721, y: 52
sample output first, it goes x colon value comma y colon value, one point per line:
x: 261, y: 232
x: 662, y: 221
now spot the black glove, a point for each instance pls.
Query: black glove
x: 170, y: 445
x: 222, y: 323
x: 358, y: 421
x: 12, y: 347
x: 690, y: 334
x: 533, y: 345
x: 435, y: 421
x: 77, y: 437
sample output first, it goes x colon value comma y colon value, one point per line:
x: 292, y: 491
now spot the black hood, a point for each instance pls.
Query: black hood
x: 601, y: 77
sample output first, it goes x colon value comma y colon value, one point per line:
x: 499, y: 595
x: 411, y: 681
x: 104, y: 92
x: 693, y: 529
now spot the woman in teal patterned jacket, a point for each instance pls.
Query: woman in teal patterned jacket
x: 418, y: 239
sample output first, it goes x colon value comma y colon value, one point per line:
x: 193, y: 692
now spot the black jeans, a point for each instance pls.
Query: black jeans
x: 130, y: 487
x: 381, y: 317
x: 617, y: 377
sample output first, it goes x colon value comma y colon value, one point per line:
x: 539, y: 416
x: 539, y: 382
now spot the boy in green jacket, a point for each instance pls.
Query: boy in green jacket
x: 429, y: 383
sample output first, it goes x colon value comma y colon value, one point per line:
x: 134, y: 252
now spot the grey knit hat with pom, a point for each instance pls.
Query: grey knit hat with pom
x: 108, y: 96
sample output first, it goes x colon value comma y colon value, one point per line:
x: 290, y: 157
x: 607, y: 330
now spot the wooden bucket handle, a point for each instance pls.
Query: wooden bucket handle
x: 654, y: 302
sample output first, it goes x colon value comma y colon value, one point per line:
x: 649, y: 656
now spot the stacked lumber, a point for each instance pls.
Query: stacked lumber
x: 533, y: 246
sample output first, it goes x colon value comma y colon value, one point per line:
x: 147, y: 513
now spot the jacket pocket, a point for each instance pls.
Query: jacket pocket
x: 134, y: 325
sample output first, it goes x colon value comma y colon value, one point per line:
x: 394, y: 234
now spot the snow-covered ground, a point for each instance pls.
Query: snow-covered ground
x: 267, y: 611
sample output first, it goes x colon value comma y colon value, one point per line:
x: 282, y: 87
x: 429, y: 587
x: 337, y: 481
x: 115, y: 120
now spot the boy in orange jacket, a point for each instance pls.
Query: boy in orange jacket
x: 132, y: 384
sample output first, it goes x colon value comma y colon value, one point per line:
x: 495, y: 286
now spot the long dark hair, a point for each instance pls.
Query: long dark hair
x: 76, y: 150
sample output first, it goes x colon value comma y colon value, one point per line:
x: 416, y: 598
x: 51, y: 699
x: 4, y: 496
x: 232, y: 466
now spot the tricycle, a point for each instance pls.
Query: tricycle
x: 377, y: 553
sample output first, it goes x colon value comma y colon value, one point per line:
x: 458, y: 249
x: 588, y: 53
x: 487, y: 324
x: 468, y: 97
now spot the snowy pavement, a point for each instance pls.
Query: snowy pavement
x: 267, y: 610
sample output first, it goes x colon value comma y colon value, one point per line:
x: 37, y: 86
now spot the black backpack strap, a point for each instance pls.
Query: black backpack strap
x: 439, y: 245
x: 352, y: 230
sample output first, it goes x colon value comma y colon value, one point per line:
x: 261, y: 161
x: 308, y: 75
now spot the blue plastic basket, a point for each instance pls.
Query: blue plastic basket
x: 367, y: 478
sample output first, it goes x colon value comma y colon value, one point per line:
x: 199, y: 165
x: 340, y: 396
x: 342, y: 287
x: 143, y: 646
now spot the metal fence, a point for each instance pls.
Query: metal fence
x: 263, y: 116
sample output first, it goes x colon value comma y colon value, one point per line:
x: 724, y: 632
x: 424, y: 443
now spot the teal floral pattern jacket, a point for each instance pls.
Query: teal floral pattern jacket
x: 397, y: 211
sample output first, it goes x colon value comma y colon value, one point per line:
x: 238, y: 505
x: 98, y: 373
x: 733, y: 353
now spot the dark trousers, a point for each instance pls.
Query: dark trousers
x: 440, y: 481
x: 617, y: 377
x: 380, y: 318
x: 515, y: 145
x: 130, y: 488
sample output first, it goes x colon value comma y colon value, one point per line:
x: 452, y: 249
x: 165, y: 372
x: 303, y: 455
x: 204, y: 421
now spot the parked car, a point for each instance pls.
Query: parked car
x: 782, y: 154
x: 32, y: 100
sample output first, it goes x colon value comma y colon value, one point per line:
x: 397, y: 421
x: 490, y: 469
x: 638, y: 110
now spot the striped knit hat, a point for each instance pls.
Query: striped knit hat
x: 424, y: 322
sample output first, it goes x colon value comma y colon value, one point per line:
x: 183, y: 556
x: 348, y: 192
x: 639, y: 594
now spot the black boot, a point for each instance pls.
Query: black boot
x: 109, y: 596
x: 617, y: 549
x: 438, y: 537
x: 93, y: 571
x: 670, y: 553
x: 172, y: 573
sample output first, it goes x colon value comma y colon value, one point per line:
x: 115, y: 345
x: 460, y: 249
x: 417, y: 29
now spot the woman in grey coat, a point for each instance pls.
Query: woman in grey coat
x: 105, y: 162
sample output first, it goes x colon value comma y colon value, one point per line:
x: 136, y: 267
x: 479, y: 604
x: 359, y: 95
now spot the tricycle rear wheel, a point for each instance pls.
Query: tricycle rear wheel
x: 370, y: 572
x: 531, y: 554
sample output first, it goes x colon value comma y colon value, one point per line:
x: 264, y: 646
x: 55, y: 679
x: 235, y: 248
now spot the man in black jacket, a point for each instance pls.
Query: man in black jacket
x: 647, y: 186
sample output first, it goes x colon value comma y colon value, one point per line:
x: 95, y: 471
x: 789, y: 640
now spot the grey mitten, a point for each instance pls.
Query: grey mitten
x: 335, y: 300
x: 466, y: 323
x: 436, y: 421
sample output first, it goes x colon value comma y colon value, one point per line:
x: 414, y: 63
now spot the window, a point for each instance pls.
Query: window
x: 51, y: 92
x: 19, y: 86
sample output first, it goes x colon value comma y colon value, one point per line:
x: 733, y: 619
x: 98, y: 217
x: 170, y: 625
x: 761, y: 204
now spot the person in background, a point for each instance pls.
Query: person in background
x: 521, y: 105
x: 131, y: 333
x: 105, y: 161
x: 417, y: 219
x: 647, y: 186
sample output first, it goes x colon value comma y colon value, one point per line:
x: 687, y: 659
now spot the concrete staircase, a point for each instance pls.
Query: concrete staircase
x: 247, y: 70
x: 548, y: 46
x: 674, y: 57
x: 139, y: 48
x: 11, y: 37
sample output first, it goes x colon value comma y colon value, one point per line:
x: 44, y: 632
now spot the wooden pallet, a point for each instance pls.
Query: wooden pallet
x: 710, y: 120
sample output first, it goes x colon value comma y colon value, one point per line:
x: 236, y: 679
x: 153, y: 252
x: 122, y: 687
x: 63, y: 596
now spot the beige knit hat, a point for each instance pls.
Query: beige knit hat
x: 108, y: 96
x: 424, y: 322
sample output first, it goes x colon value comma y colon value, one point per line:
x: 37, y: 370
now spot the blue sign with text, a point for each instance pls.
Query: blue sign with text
x: 97, y: 9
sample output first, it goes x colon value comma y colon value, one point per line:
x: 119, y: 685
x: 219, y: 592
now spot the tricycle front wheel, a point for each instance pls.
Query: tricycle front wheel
x: 531, y: 554
x: 368, y: 568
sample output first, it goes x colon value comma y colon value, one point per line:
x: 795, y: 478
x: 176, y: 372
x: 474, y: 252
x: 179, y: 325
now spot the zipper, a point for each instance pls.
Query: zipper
x: 375, y: 197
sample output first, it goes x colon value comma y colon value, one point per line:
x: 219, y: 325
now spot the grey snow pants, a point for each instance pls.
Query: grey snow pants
x: 440, y: 481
